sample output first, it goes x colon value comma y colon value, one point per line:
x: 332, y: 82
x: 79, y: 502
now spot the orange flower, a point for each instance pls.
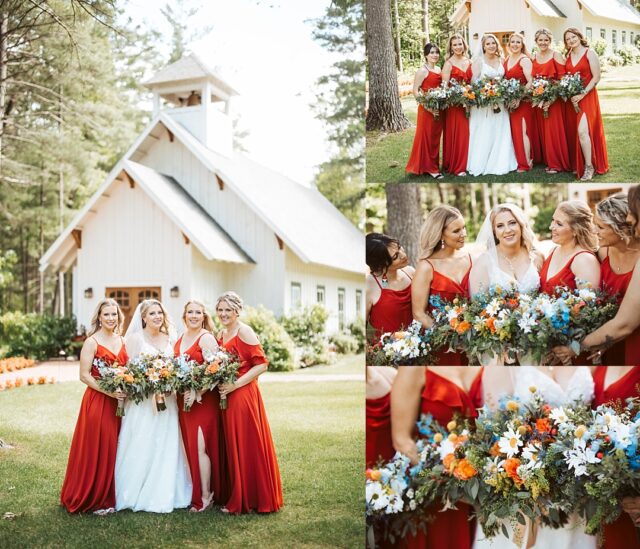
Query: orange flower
x: 164, y: 372
x: 449, y: 462
x: 213, y: 368
x: 31, y: 381
x: 42, y: 380
x: 513, y: 303
x: 464, y: 470
x: 19, y: 382
x: 8, y: 384
x: 398, y: 335
x: 491, y: 324
x: 128, y: 378
x: 374, y: 474
x: 495, y: 450
x: 463, y: 327
x: 511, y: 467
x: 542, y: 425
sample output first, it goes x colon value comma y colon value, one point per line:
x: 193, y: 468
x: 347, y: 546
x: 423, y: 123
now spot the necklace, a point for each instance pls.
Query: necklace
x: 510, y: 262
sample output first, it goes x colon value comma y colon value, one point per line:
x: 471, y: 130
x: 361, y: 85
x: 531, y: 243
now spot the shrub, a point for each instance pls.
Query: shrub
x: 629, y: 54
x: 306, y: 328
x: 277, y: 344
x: 542, y: 222
x: 344, y: 343
x: 36, y: 336
x: 358, y: 330
x: 615, y: 60
x: 599, y: 46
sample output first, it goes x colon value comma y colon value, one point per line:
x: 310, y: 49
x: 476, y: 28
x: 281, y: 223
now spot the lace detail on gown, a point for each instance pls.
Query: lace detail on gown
x: 529, y: 282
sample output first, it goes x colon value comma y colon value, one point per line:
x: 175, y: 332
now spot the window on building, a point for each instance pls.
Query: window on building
x: 320, y: 295
x: 296, y: 295
x: 358, y: 302
x: 589, y: 33
x: 614, y: 39
x: 603, y: 34
x: 624, y: 37
x: 341, y: 300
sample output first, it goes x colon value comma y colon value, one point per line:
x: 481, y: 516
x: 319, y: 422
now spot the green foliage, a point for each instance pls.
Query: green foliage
x: 37, y: 336
x: 344, y: 342
x: 412, y: 37
x: 358, y: 330
x: 599, y: 46
x: 629, y: 54
x: 277, y: 344
x: 7, y: 260
x: 306, y: 328
x: 543, y: 220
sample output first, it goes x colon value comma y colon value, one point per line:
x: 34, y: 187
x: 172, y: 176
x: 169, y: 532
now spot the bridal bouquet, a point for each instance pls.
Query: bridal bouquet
x: 512, y: 92
x: 570, y: 85
x: 434, y: 99
x: 188, y: 377
x: 461, y: 95
x: 160, y: 376
x: 410, y: 346
x: 118, y: 377
x: 219, y: 367
x: 488, y: 93
x: 543, y: 92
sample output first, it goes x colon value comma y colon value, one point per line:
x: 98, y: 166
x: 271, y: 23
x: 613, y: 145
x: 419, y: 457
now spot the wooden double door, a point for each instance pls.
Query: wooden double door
x: 128, y: 299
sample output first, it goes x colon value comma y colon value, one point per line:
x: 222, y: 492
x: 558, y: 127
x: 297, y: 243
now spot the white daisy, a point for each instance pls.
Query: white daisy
x: 510, y: 442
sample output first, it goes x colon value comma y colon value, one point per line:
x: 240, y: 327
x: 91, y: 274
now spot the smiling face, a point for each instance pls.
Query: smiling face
x: 457, y: 46
x: 506, y: 229
x: 433, y: 56
x: 515, y: 44
x: 153, y: 317
x: 194, y: 316
x: 455, y: 233
x: 543, y: 42
x: 606, y: 235
x: 227, y: 314
x: 108, y: 317
x: 490, y: 46
x: 398, y: 256
x: 561, y: 231
x: 571, y: 40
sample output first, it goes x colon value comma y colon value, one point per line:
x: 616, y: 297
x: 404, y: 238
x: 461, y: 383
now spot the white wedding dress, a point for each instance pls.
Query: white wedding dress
x: 529, y: 282
x: 151, y: 472
x: 490, y: 146
x: 579, y: 387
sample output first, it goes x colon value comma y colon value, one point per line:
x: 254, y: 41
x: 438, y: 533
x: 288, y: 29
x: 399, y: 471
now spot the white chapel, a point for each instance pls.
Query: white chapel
x: 183, y: 215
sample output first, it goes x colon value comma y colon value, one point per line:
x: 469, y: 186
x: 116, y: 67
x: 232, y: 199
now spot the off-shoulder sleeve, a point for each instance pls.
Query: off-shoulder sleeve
x: 255, y: 355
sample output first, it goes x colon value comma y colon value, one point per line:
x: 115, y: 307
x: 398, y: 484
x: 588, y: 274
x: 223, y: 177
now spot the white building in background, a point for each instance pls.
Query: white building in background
x: 592, y: 193
x: 182, y: 215
x: 617, y: 21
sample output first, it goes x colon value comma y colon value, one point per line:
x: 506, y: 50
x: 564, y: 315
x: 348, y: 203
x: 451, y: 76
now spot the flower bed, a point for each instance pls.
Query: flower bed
x: 19, y: 382
x: 15, y: 363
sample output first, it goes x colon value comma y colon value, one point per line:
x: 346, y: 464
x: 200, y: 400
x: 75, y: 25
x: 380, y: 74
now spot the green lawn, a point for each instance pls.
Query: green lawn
x: 319, y: 437
x: 349, y: 364
x: 619, y: 93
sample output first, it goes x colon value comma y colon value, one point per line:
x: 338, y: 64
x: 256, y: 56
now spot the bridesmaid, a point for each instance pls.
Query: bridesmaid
x: 201, y: 426
x: 388, y: 285
x: 518, y: 65
x: 440, y: 392
x: 627, y: 319
x: 443, y: 268
x: 619, y: 252
x: 613, y: 384
x: 455, y: 146
x: 425, y: 154
x: 378, y: 403
x: 254, y: 476
x: 551, y: 135
x: 89, y: 482
x: 572, y: 263
x: 586, y: 126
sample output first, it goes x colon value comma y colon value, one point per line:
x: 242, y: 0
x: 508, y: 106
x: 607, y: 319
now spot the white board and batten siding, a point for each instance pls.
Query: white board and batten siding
x: 130, y: 238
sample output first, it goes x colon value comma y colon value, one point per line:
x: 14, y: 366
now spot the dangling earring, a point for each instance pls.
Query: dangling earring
x: 442, y: 244
x: 99, y: 324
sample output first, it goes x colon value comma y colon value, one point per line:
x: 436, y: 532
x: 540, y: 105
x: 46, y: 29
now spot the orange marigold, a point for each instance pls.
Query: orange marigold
x: 449, y: 462
x: 373, y: 474
x: 463, y: 327
x: 542, y: 425
x: 464, y: 470
x: 511, y: 467
x: 128, y: 378
x: 213, y: 368
x: 495, y: 450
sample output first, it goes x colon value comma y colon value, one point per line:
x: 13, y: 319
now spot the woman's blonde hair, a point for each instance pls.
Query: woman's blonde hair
x: 433, y: 227
x: 146, y: 305
x: 524, y: 44
x: 95, y: 318
x: 528, y: 237
x: 543, y: 32
x: 578, y: 33
x: 232, y: 299
x: 499, y: 49
x: 581, y: 223
x: 456, y: 36
x: 613, y: 211
x: 207, y: 322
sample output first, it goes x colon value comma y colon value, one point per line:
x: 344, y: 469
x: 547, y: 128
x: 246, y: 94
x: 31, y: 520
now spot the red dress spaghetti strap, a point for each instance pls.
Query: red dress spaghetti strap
x: 621, y: 533
x: 205, y: 415
x: 627, y: 352
x: 378, y: 434
x: 563, y: 278
x: 589, y: 107
x: 522, y: 115
x: 254, y: 476
x: 392, y: 311
x: 550, y: 132
x: 89, y: 482
x: 455, y: 145
x: 448, y: 289
x: 425, y: 153
x: 441, y: 398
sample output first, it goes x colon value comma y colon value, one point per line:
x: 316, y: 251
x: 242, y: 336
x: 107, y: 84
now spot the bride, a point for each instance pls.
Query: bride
x: 558, y: 387
x: 151, y: 469
x: 490, y: 146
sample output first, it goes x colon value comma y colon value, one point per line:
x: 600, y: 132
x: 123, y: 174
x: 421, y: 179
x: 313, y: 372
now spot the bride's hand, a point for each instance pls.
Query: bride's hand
x: 565, y: 354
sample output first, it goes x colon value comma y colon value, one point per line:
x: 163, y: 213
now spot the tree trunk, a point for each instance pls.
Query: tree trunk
x: 385, y: 110
x: 404, y: 216
x: 473, y: 206
x: 425, y: 20
x: 494, y: 195
x: 526, y: 198
x: 396, y: 17
x: 4, y: 29
x: 486, y: 203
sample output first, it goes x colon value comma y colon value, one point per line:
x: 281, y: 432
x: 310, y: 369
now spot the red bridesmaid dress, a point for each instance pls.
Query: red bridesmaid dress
x: 564, y: 277
x: 522, y: 115
x: 392, y: 311
x: 620, y: 534
x: 627, y: 352
x: 425, y: 154
x: 590, y: 107
x: 254, y: 476
x: 206, y: 416
x: 441, y: 398
x: 89, y: 483
x: 455, y: 146
x: 378, y: 433
x: 448, y: 289
x: 551, y: 135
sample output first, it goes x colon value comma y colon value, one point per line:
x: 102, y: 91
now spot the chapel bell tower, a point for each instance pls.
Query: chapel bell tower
x: 197, y: 97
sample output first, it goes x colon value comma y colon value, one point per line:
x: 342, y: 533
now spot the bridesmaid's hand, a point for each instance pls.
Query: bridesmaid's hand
x: 189, y: 398
x: 226, y: 388
x: 118, y: 395
x: 577, y: 98
x: 565, y: 354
